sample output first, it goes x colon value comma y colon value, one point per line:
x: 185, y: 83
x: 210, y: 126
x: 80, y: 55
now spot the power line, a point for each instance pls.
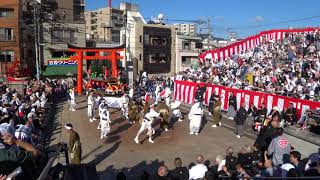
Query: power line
x: 277, y: 23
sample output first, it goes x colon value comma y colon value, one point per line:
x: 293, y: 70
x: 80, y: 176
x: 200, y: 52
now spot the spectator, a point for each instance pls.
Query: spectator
x: 179, y: 173
x: 311, y: 168
x: 198, y: 171
x: 242, y: 172
x: 291, y: 115
x: 295, y: 159
x: 231, y: 161
x: 279, y: 149
x: 240, y: 118
x: 162, y: 174
x: 10, y: 159
x: 232, y: 106
x: 245, y: 157
x: 268, y: 132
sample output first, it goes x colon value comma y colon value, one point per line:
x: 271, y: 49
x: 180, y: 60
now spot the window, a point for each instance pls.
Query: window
x: 6, y: 56
x: 6, y: 12
x: 157, y: 58
x: 6, y: 34
x: 186, y: 60
x: 63, y: 36
x: 140, y: 38
x: 186, y: 45
x: 146, y: 39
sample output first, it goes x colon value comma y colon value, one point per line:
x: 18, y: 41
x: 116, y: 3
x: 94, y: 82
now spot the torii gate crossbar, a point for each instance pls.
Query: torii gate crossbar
x: 81, y: 54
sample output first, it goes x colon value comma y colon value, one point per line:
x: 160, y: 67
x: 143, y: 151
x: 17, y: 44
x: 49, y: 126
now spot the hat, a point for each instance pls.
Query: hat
x: 68, y: 126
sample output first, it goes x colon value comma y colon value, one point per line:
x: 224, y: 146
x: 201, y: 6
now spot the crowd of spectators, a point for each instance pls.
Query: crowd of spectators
x: 288, y: 67
x: 24, y: 119
x: 271, y: 156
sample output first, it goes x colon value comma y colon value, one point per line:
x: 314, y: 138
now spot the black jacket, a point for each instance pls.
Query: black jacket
x: 241, y: 116
x: 233, y: 102
x: 254, y: 111
x: 262, y: 112
x: 180, y: 173
x: 265, y: 137
x: 291, y: 112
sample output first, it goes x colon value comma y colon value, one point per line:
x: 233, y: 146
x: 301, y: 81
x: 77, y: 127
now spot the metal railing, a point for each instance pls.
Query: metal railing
x: 46, y: 169
x: 14, y: 173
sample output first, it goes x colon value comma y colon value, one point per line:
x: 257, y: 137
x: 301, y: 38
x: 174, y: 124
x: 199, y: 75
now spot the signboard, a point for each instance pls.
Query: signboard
x: 62, y: 63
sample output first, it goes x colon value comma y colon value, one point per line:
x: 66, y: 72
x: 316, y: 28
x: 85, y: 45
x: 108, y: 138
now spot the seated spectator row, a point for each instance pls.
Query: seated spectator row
x: 24, y: 119
x: 287, y: 67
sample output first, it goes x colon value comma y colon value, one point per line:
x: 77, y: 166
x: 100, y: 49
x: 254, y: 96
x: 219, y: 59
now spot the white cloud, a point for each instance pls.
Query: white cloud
x: 258, y: 18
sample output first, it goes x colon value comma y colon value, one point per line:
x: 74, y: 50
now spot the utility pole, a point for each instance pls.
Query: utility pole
x: 36, y: 37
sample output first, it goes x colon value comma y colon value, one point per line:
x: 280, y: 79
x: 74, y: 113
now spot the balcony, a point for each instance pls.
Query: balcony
x: 5, y: 38
x: 189, y: 50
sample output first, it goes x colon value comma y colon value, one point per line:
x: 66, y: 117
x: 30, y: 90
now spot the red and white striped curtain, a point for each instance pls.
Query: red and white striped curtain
x: 185, y: 91
x: 251, y: 42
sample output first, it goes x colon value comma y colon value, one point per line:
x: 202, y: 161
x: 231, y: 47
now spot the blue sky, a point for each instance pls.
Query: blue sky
x: 246, y: 17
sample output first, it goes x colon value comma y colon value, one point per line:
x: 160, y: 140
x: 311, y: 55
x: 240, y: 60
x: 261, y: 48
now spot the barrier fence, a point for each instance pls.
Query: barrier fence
x: 185, y: 91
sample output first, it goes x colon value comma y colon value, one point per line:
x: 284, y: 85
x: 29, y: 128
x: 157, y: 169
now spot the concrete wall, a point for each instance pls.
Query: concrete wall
x: 181, y: 52
x: 48, y: 46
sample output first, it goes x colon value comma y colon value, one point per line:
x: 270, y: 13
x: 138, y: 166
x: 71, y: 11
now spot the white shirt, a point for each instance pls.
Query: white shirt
x: 198, y: 171
x: 195, y: 110
x: 131, y: 93
x: 90, y: 100
x: 152, y: 114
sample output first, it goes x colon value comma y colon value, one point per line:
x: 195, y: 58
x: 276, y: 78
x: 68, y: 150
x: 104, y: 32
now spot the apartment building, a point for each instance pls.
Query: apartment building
x: 16, y: 54
x: 67, y: 28
x: 186, y: 29
x: 187, y: 51
x: 104, y: 24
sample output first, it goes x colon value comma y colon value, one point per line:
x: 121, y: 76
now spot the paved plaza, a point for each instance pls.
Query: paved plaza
x: 120, y: 153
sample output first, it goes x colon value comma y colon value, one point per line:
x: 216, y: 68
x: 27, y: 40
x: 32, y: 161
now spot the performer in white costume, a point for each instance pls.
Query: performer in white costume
x: 167, y: 95
x: 72, y: 100
x: 91, y: 103
x: 105, y: 121
x: 157, y: 93
x: 131, y: 92
x: 100, y: 108
x: 176, y: 111
x: 147, y: 124
x: 195, y: 116
x: 125, y: 106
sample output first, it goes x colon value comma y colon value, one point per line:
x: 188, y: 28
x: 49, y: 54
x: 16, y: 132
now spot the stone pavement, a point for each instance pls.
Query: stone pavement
x: 120, y: 153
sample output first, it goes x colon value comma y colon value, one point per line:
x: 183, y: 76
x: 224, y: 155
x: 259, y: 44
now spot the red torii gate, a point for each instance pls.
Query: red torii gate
x: 82, y: 55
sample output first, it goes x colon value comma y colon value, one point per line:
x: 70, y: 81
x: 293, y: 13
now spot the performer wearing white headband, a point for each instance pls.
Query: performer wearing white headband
x: 74, y: 145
